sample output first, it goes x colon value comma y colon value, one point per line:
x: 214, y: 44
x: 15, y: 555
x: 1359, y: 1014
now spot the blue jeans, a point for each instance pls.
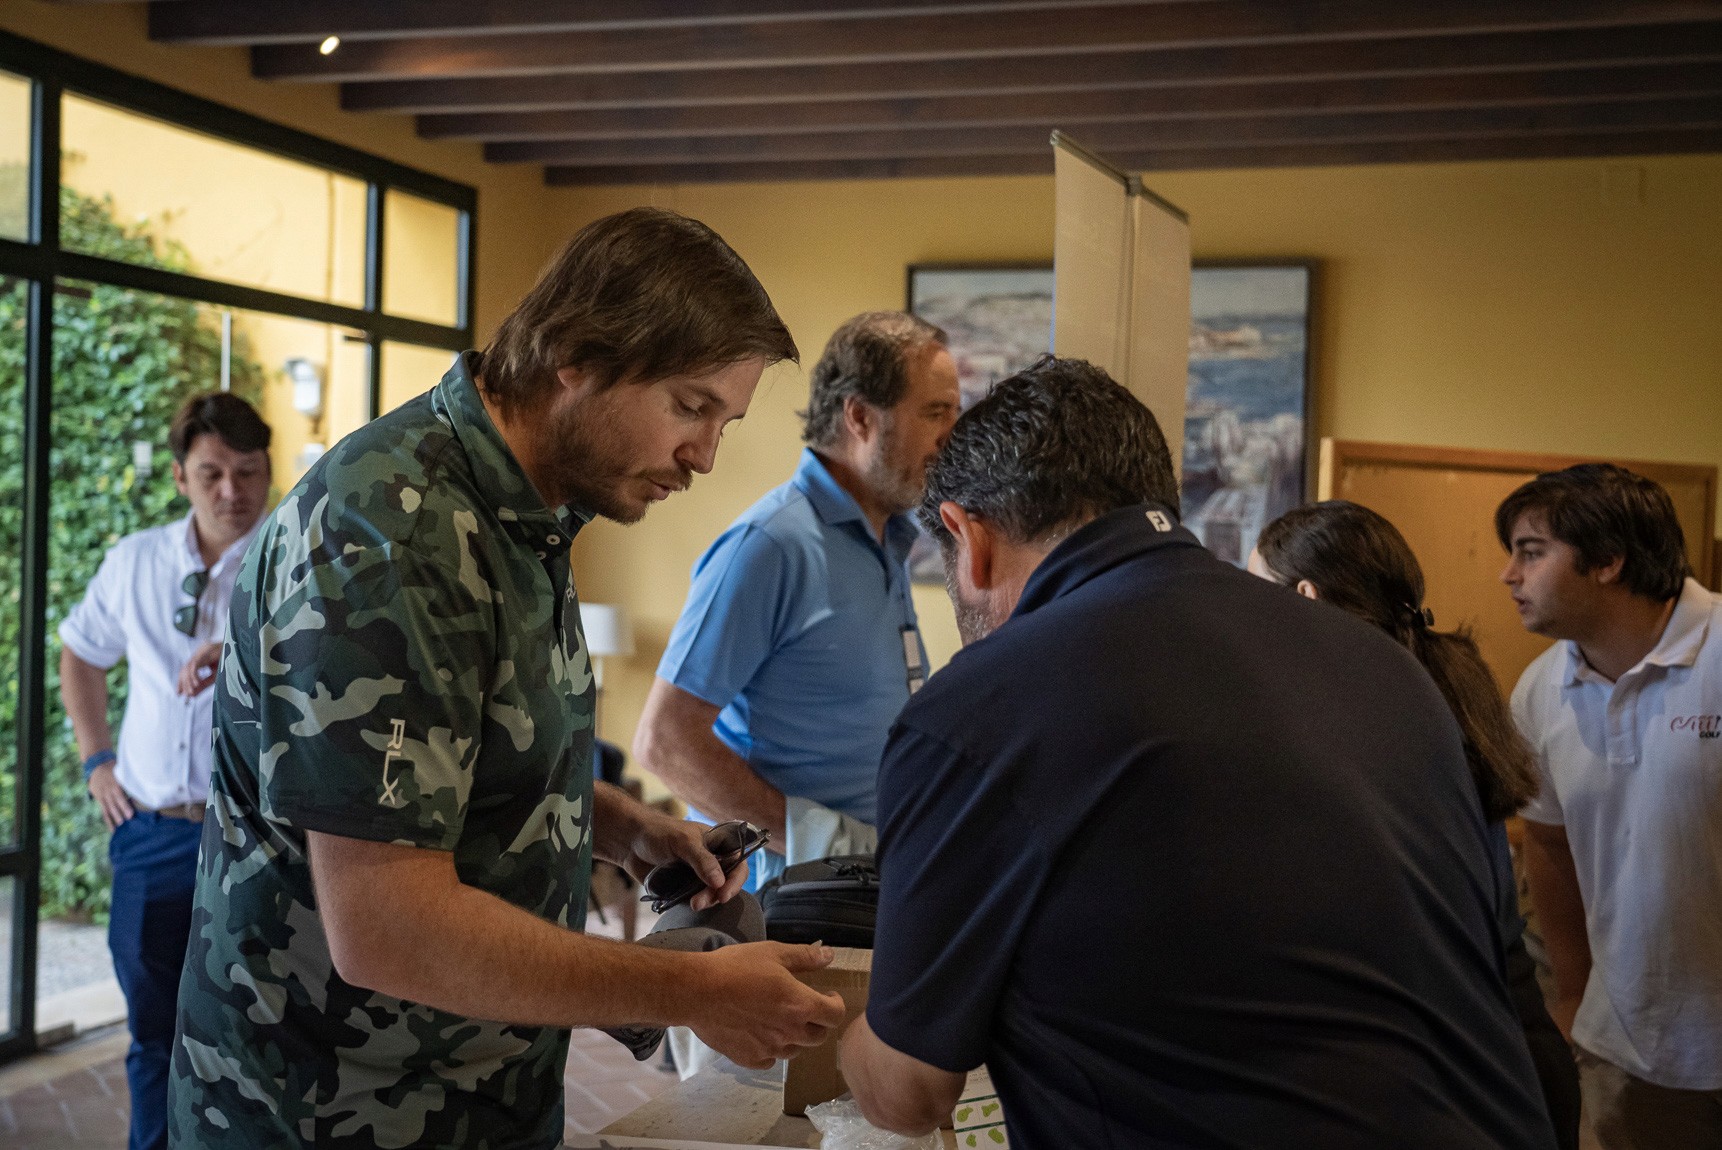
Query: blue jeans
x: 155, y: 873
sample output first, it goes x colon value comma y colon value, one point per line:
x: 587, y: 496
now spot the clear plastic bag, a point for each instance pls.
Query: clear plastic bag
x: 841, y: 1127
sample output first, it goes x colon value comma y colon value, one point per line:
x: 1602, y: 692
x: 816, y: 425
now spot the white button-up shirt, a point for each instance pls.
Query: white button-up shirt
x: 127, y: 613
x: 1633, y: 769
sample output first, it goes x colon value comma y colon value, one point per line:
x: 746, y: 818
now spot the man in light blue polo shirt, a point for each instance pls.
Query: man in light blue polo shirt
x: 798, y: 644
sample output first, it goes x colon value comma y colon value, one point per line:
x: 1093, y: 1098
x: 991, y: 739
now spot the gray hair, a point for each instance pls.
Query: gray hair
x: 868, y: 357
x: 1051, y: 447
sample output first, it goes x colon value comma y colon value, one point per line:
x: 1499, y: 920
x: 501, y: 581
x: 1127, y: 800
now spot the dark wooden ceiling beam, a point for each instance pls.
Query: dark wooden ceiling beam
x: 1577, y: 145
x: 1419, y: 55
x: 897, y: 143
x: 1399, y: 93
x: 772, y: 171
x: 1034, y: 32
x: 308, y: 21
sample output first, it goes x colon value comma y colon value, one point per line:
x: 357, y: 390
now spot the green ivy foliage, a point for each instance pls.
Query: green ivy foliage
x: 123, y: 361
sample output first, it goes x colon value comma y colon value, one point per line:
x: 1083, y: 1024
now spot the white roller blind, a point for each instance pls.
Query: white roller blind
x: 1121, y: 282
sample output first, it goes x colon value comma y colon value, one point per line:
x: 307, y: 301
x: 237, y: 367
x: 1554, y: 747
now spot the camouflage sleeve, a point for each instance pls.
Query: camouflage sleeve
x: 373, y: 676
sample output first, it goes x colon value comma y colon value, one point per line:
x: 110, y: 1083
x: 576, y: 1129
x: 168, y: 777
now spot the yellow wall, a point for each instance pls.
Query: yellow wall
x: 1562, y: 306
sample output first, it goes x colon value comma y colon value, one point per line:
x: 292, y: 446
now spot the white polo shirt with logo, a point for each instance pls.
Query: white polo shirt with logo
x: 1633, y: 770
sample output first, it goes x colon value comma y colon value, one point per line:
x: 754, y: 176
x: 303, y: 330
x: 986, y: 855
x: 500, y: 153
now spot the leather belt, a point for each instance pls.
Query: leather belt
x: 190, y: 812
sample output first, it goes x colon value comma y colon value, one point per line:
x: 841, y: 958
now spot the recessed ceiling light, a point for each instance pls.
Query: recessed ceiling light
x: 329, y: 44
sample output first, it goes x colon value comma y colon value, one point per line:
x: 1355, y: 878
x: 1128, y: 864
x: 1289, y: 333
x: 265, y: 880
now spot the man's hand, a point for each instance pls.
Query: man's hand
x: 637, y: 838
x: 198, y: 674
x: 106, y: 790
x: 753, y: 1009
x: 659, y: 839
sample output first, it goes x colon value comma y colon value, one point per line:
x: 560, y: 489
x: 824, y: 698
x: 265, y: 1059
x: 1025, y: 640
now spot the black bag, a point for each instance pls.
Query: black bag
x: 832, y: 900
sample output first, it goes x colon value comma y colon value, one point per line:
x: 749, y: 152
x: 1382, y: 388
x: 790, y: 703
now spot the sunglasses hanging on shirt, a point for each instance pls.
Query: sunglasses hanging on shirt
x: 185, y: 619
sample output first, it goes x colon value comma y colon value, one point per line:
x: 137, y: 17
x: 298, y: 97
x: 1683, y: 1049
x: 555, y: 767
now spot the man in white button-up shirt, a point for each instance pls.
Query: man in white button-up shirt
x: 1623, y: 846
x: 159, y: 601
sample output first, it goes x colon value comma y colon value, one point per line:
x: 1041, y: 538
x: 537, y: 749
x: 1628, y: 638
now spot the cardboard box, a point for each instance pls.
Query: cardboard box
x: 813, y: 1076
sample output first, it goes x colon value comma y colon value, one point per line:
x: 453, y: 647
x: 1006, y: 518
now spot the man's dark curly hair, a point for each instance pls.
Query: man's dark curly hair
x: 1051, y: 447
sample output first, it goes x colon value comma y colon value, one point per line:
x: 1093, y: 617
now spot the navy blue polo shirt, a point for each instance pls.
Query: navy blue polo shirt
x: 1190, y: 861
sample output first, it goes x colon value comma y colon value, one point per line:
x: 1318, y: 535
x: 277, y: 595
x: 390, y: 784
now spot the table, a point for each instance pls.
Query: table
x: 727, y: 1104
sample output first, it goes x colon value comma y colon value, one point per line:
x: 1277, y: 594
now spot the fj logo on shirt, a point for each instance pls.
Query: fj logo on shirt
x: 1706, y: 726
x: 397, y: 740
x: 1160, y: 520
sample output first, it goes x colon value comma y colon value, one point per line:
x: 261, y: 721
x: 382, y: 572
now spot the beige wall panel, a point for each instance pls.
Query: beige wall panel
x: 1091, y: 264
x: 1160, y: 317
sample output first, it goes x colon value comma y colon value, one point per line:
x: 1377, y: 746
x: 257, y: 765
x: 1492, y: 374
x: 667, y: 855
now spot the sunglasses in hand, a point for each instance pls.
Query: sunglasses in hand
x: 674, y: 883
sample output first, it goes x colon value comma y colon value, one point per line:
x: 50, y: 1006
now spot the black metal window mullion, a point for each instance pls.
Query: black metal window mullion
x: 33, y: 599
x: 467, y: 258
x: 376, y: 213
x: 31, y: 260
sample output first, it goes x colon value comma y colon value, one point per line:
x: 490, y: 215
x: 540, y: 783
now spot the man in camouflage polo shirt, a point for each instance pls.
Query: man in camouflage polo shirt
x: 385, y: 946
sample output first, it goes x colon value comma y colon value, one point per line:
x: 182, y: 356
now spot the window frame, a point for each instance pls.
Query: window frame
x: 40, y: 263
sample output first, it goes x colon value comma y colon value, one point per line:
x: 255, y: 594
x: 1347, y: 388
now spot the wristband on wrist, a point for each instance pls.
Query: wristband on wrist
x: 99, y: 759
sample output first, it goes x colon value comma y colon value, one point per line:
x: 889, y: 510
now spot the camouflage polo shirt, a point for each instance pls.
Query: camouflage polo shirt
x: 404, y: 664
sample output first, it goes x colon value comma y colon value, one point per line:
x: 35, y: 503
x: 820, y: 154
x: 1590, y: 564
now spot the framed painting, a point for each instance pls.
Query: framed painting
x: 1247, y: 445
x: 998, y: 319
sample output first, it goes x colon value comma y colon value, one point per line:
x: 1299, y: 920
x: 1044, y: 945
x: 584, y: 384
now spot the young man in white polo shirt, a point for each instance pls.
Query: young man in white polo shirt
x: 159, y: 601
x: 1623, y: 847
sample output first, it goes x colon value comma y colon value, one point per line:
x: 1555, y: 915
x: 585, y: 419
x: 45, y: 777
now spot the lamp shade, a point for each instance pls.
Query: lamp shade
x: 608, y: 631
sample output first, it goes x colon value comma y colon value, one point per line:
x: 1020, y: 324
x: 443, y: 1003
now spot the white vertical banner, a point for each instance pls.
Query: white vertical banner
x: 1121, y: 282
x: 1160, y: 314
x: 1090, y: 260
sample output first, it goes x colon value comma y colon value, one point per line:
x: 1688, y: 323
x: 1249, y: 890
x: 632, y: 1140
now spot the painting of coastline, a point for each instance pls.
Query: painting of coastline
x: 1247, y: 411
x: 998, y: 321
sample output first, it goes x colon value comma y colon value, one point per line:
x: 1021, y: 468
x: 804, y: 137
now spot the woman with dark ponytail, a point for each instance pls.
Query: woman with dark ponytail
x: 1352, y: 558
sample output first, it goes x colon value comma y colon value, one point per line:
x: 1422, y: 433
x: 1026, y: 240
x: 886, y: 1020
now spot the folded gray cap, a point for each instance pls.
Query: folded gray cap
x: 679, y: 928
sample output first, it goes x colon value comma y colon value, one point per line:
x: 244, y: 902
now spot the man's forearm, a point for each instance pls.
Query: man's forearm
x: 460, y: 949
x: 675, y: 742
x: 84, y: 694
x: 454, y: 947
x: 1553, y: 879
x: 615, y: 822
x: 894, y: 1090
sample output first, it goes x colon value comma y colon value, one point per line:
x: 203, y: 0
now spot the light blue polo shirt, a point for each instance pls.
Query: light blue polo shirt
x: 795, y: 627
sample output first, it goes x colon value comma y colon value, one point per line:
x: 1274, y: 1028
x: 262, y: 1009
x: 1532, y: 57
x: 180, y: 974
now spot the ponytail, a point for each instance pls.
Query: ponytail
x: 1500, y: 761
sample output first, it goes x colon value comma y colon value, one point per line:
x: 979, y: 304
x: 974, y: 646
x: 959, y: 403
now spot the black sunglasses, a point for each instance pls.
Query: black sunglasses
x: 185, y: 619
x: 674, y: 883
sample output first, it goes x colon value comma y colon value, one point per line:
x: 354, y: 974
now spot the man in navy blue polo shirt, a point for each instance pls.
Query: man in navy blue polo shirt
x: 798, y: 645
x: 1185, y: 859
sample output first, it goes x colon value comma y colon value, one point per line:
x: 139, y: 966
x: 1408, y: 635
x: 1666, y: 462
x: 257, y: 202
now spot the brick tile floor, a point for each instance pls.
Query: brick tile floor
x: 73, y: 1096
x: 55, y: 1101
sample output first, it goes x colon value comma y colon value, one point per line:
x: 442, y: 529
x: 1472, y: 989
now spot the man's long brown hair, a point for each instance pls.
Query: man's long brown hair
x: 641, y: 295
